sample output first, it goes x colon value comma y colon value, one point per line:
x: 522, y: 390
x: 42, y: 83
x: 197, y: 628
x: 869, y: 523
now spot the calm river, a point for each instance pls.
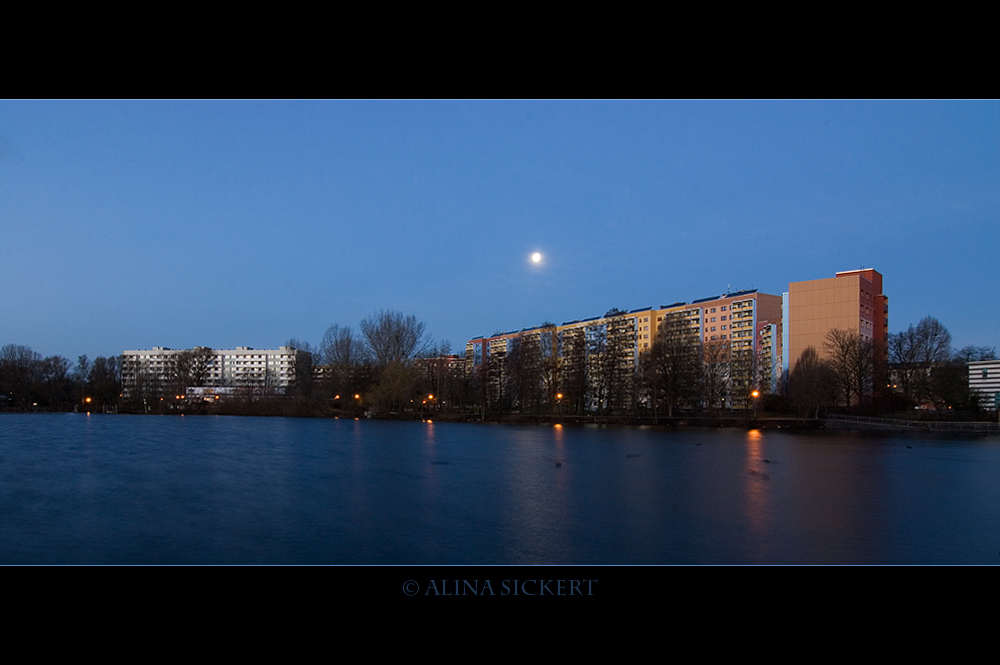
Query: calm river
x: 109, y: 489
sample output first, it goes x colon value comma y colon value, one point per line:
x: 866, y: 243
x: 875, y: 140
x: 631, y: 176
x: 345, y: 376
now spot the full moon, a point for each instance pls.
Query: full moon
x: 536, y: 257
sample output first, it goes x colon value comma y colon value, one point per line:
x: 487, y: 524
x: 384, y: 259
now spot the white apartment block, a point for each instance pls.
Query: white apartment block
x: 159, y: 369
x: 984, y: 378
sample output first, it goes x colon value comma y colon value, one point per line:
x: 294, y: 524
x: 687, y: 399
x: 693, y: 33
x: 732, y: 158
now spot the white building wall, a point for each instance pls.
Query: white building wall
x: 984, y: 377
x: 240, y: 367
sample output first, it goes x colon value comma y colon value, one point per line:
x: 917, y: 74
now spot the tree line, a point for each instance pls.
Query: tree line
x: 376, y: 370
x: 595, y: 370
x: 918, y: 368
x: 30, y: 382
x: 392, y: 367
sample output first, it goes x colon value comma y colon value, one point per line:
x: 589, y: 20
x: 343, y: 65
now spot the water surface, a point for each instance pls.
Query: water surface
x: 115, y: 489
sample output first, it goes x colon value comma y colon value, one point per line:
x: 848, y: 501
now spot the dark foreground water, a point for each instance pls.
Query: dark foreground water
x: 100, y: 489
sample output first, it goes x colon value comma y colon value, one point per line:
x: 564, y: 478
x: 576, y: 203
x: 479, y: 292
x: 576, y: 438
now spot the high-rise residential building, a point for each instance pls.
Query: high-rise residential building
x: 852, y: 300
x: 742, y: 328
x: 160, y: 371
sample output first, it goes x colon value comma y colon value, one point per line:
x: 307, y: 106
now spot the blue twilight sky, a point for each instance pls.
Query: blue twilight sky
x: 132, y: 224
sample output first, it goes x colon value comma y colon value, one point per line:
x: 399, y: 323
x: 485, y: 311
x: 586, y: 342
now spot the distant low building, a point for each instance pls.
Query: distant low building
x: 984, y: 378
x: 452, y: 363
x: 162, y: 371
x: 209, y: 394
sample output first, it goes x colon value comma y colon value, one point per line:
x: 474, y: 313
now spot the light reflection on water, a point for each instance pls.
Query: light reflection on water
x: 121, y: 489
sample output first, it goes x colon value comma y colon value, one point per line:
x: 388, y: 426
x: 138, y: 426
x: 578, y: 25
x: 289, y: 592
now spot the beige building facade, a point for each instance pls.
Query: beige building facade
x: 851, y: 300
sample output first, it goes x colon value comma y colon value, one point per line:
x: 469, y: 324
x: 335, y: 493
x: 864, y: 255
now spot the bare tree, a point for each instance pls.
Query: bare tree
x: 904, y: 368
x: 307, y: 357
x: 620, y: 349
x: 396, y: 389
x: 913, y: 354
x: 548, y: 363
x: 949, y: 387
x: 105, y: 380
x: 55, y: 385
x: 811, y: 384
x: 839, y: 346
x: 715, y: 373
x: 744, y: 375
x: 516, y: 372
x: 934, y: 342
x: 393, y: 337
x: 573, y: 382
x: 344, y: 355
x: 340, y: 347
x: 180, y: 366
x: 498, y: 397
x: 600, y: 366
x: 202, y: 358
x: 852, y: 360
x: 671, y: 366
x: 146, y: 388
x: 19, y: 369
x: 82, y: 369
x: 971, y: 354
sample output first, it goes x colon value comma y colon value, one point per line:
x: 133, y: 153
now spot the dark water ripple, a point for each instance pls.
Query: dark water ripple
x: 78, y: 489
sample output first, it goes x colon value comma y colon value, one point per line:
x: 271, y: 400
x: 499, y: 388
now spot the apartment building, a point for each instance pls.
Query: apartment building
x: 742, y: 324
x: 984, y: 378
x: 160, y: 370
x: 851, y: 300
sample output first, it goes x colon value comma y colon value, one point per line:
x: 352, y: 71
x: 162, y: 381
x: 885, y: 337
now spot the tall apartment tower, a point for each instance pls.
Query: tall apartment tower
x: 853, y: 300
x: 746, y: 324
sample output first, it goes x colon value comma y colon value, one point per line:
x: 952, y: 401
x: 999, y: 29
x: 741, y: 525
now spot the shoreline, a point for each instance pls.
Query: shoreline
x: 831, y: 423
